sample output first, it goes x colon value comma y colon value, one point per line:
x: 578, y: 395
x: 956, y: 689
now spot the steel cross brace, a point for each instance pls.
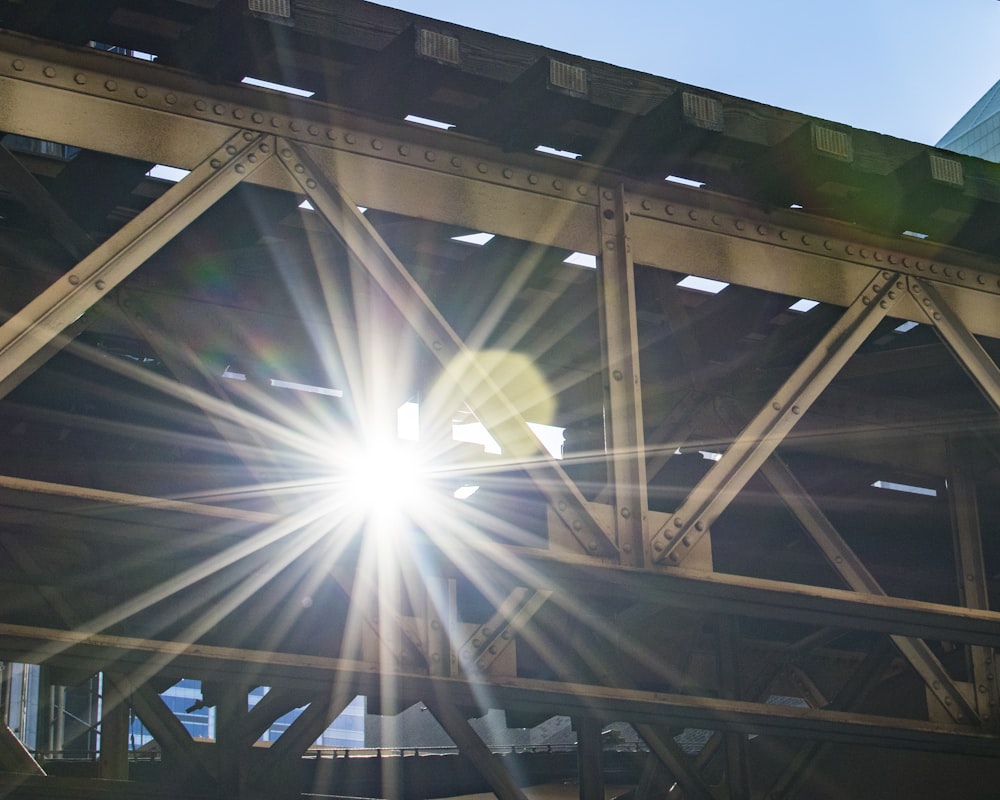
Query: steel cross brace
x: 491, y: 638
x: 975, y: 360
x: 675, y: 539
x: 855, y: 574
x: 512, y: 432
x: 45, y: 317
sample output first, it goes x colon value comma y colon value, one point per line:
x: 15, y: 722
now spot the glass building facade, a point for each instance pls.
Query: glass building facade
x: 977, y: 133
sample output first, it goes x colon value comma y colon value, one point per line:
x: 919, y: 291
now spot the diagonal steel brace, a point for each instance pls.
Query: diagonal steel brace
x: 51, y: 312
x: 676, y: 538
x: 364, y: 243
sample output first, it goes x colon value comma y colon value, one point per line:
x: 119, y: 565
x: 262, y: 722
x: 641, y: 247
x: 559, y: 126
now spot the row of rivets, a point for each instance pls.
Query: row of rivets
x: 315, y: 131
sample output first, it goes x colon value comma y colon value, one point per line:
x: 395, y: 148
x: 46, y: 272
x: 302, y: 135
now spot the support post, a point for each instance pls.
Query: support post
x: 972, y: 585
x: 590, y: 757
x: 112, y: 762
x: 616, y: 301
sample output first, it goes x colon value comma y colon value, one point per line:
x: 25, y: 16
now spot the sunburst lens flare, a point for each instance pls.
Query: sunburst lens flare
x: 387, y: 482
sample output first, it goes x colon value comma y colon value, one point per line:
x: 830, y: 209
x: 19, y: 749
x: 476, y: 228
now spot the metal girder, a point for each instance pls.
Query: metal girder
x: 737, y: 763
x: 590, y: 758
x: 45, y: 317
x: 675, y: 539
x: 972, y: 580
x: 958, y: 338
x: 472, y: 747
x: 677, y: 763
x: 88, y: 651
x: 164, y: 725
x: 620, y: 351
x: 860, y: 684
x: 18, y: 179
x: 490, y: 639
x: 503, y: 418
x: 14, y: 756
x: 459, y: 180
x: 848, y: 566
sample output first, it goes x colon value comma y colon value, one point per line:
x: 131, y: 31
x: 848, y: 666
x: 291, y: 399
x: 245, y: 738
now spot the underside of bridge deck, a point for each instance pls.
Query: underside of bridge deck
x: 356, y: 404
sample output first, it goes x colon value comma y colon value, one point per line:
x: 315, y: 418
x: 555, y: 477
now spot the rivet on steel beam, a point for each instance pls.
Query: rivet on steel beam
x: 877, y: 256
x: 231, y: 149
x: 436, y: 345
x: 806, y: 241
x: 980, y: 280
x: 110, y: 85
x: 310, y: 183
x: 18, y: 64
x: 900, y: 285
x: 331, y: 134
x: 350, y: 138
x: 626, y: 512
x: 456, y: 162
x: 699, y: 526
x: 265, y: 147
x: 715, y: 220
x: 739, y: 225
x: 849, y: 250
x: 828, y: 244
x: 907, y: 263
x: 481, y: 168
x: 561, y: 505
x: 219, y: 109
x: 693, y: 214
x: 608, y: 195
x: 557, y: 185
x: 674, y: 557
x: 507, y: 173
x: 80, y: 78
x: 646, y: 205
x: 592, y: 546
x: 784, y: 235
x: 776, y: 405
x: 506, y: 634
x: 627, y: 547
x: 864, y: 252
x: 678, y: 522
x: 892, y: 295
x: 577, y: 525
x: 937, y: 315
x: 796, y: 410
x: 970, y: 578
x: 294, y: 126
x: 170, y: 99
x: 240, y: 169
x: 403, y: 150
x: 257, y: 117
x: 248, y: 136
x: 476, y: 642
x: 286, y: 152
x: 883, y: 304
x: 838, y: 559
x: 215, y: 163
x: 927, y: 302
x: 100, y: 285
x: 891, y: 258
x: 582, y: 190
x: 299, y: 168
x: 617, y: 374
x: 487, y: 631
x: 140, y: 92
x: 377, y: 144
x: 658, y: 546
x: 430, y: 155
x: 947, y: 271
x: 669, y: 210
x: 493, y: 649
x: 49, y: 72
x: 762, y: 230
x: 866, y: 301
x: 252, y: 158
x: 237, y: 113
x: 74, y: 279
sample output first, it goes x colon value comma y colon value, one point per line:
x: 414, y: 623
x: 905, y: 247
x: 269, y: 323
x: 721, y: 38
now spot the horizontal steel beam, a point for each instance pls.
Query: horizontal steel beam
x: 636, y: 706
x: 103, y: 102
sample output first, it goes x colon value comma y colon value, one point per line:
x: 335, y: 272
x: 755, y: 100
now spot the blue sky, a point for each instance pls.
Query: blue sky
x: 908, y: 68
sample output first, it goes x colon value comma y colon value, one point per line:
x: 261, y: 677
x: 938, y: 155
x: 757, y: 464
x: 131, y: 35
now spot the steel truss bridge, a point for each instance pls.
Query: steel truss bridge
x: 757, y: 497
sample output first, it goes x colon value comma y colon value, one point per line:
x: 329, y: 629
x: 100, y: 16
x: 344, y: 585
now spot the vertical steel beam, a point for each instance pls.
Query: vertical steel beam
x: 112, y: 761
x: 737, y: 764
x: 616, y: 301
x: 590, y: 757
x: 972, y: 586
x: 473, y: 748
x: 45, y: 317
x: 676, y: 538
x: 676, y: 762
x: 504, y: 421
